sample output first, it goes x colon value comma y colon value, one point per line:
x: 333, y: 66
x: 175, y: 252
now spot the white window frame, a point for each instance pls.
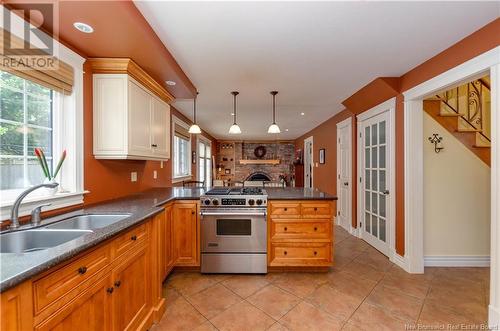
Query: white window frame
x: 178, y: 179
x: 70, y: 127
x: 206, y: 141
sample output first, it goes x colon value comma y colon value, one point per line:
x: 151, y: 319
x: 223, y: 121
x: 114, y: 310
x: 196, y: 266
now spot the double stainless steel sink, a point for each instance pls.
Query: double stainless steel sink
x: 55, y: 234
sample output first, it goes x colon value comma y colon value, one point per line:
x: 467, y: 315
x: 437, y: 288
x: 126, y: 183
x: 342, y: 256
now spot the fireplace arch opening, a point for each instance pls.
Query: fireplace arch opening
x: 258, y: 177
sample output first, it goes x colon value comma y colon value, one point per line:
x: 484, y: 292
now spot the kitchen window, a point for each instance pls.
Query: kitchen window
x: 41, y: 108
x: 181, y: 150
x: 26, y: 122
x: 204, y: 161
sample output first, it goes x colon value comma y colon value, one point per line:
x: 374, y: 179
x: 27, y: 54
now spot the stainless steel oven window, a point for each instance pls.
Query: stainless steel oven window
x: 234, y: 227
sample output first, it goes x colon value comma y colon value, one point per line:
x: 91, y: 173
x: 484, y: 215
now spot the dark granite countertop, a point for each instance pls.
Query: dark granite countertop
x: 16, y: 268
x: 297, y: 193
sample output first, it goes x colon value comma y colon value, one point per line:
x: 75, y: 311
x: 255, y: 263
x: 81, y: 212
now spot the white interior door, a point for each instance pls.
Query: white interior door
x: 344, y: 171
x: 375, y: 171
x: 308, y: 162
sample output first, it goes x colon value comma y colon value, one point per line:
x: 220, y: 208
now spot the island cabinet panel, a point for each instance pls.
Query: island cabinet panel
x: 300, y: 233
x: 130, y: 297
x: 16, y: 307
x: 90, y: 311
x: 186, y: 233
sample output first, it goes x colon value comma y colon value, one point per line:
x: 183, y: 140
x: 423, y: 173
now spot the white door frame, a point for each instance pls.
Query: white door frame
x: 309, y: 139
x: 390, y: 106
x: 347, y: 123
x: 206, y: 141
x: 486, y: 63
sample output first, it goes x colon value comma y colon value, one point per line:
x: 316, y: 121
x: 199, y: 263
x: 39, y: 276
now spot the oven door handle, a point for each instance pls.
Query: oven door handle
x: 242, y: 213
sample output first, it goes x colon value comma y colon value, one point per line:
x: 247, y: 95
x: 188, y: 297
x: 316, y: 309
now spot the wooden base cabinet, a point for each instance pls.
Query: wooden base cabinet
x: 88, y: 312
x: 130, y: 294
x: 186, y: 234
x: 300, y: 233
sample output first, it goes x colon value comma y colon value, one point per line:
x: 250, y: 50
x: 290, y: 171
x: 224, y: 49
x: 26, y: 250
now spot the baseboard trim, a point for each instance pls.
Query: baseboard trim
x: 493, y: 318
x: 457, y: 261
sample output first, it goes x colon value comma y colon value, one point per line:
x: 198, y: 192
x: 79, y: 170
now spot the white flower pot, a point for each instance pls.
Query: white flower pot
x: 50, y: 191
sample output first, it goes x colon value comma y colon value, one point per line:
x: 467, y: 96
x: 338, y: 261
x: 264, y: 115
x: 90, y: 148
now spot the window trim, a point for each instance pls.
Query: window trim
x: 71, y: 125
x: 178, y: 179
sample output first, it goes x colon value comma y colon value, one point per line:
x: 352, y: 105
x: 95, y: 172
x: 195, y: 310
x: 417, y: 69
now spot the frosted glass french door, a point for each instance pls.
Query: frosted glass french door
x: 375, y: 144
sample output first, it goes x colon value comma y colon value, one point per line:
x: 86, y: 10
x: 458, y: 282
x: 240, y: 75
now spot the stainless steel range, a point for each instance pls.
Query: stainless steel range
x: 234, y: 230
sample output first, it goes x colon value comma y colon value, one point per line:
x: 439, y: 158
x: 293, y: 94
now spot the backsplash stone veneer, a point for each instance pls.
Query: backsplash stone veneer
x: 285, y: 152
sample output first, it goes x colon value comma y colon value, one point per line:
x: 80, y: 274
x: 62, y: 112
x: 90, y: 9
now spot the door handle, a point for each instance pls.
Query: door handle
x: 346, y: 183
x: 386, y: 192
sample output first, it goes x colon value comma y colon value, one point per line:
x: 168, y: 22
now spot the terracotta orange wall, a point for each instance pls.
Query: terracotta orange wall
x: 325, y: 136
x: 378, y: 91
x: 109, y: 179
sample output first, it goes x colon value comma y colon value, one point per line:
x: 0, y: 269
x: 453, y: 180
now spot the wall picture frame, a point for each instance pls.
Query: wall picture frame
x: 322, y: 156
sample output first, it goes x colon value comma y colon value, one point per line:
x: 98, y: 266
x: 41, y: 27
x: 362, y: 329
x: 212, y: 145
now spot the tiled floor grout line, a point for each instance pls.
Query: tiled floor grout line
x: 364, y: 299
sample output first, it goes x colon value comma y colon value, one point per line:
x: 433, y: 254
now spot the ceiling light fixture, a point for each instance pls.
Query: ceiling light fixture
x: 170, y: 83
x: 194, y: 128
x: 302, y: 114
x: 83, y: 27
x: 234, y: 129
x: 274, y: 128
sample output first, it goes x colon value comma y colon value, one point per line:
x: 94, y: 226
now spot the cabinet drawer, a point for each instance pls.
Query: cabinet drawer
x: 132, y: 239
x: 316, y: 209
x: 285, y: 209
x: 60, y: 282
x: 300, y: 229
x: 301, y: 254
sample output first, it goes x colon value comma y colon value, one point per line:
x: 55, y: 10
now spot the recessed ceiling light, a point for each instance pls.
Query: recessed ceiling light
x: 232, y: 114
x: 302, y: 114
x: 83, y: 27
x: 170, y: 82
x: 286, y: 130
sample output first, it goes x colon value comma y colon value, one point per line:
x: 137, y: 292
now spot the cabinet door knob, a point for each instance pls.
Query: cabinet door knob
x: 315, y: 229
x: 192, y: 213
x: 154, y: 145
x: 285, y: 252
x: 315, y: 253
x: 286, y: 209
x: 315, y: 208
x: 286, y: 228
x: 110, y: 290
x: 118, y: 283
x: 82, y: 270
x: 134, y: 237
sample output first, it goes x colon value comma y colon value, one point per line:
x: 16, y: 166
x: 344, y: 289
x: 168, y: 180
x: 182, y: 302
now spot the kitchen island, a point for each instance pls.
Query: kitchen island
x: 134, y: 255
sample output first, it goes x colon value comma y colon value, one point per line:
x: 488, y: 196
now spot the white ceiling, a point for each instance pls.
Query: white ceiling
x: 316, y: 54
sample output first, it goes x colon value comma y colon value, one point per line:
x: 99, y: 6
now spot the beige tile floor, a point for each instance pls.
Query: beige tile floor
x: 364, y: 291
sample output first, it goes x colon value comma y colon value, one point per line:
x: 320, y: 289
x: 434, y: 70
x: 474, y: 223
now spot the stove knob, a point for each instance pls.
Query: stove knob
x: 207, y: 202
x: 215, y: 202
x: 251, y: 202
x: 259, y: 202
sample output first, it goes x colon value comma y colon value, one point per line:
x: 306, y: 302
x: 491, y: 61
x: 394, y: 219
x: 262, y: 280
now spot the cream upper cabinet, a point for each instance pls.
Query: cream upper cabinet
x: 130, y: 122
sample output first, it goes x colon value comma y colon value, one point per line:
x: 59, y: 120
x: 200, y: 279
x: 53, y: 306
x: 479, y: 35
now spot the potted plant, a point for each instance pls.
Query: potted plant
x: 49, y: 175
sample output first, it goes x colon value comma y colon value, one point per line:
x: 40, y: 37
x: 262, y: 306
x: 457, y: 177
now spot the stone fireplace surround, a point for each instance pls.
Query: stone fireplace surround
x: 284, y: 151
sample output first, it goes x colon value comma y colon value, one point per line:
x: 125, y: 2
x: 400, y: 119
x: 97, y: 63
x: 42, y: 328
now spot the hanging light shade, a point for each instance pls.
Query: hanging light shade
x: 194, y: 128
x: 274, y: 128
x: 234, y: 129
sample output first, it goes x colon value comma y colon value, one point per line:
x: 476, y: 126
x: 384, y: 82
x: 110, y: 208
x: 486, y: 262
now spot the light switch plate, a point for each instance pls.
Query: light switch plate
x: 161, y: 164
x: 133, y: 176
x: 155, y: 174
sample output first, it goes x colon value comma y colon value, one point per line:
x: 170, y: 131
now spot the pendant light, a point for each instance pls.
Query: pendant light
x: 194, y: 128
x: 234, y: 129
x: 274, y: 128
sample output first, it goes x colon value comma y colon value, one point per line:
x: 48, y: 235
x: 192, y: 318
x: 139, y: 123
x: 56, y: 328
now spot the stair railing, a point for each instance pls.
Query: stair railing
x: 474, y: 112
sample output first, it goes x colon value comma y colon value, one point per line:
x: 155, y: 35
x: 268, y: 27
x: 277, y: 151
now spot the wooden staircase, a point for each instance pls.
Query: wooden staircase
x: 471, y: 137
